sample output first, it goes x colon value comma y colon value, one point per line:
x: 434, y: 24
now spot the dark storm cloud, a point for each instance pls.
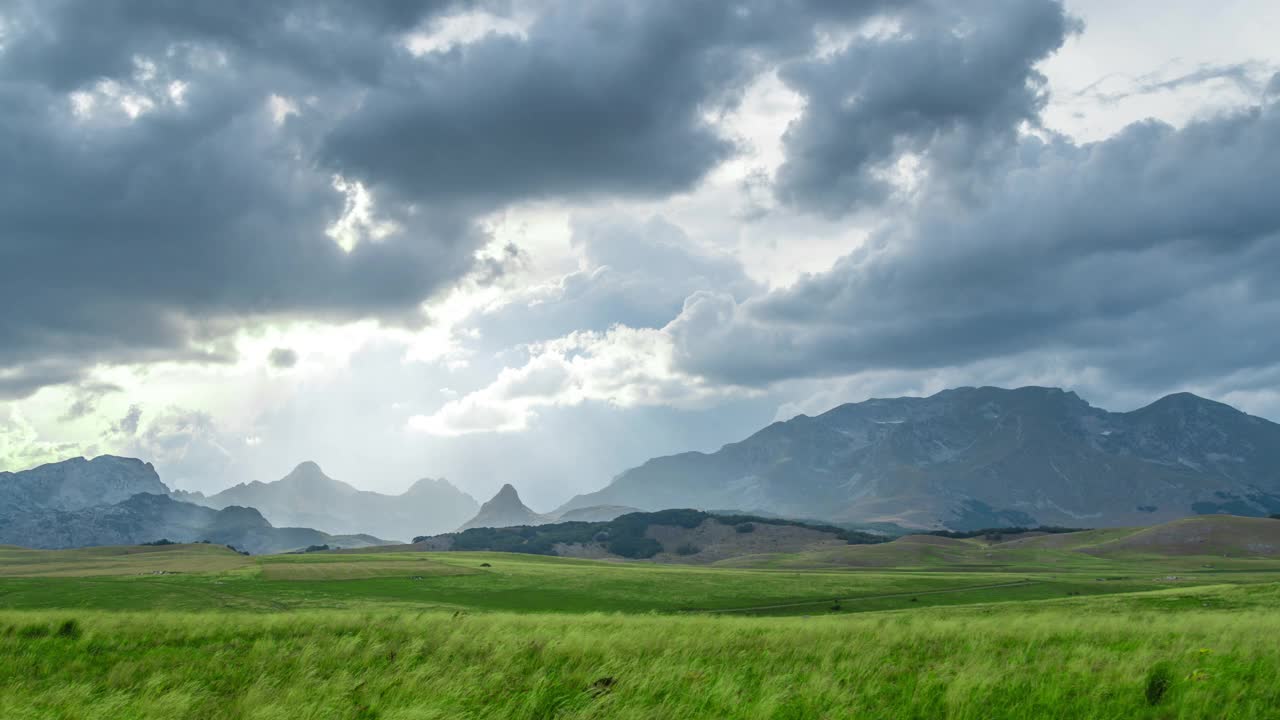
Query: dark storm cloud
x: 599, y: 97
x: 955, y: 81
x: 68, y: 43
x: 22, y: 380
x: 151, y: 238
x: 136, y: 239
x: 1151, y: 255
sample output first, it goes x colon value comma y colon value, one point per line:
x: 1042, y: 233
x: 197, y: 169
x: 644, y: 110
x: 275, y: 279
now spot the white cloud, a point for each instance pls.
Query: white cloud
x: 624, y: 367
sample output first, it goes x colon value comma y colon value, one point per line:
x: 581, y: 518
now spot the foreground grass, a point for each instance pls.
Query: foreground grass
x: 200, y: 632
x: 1117, y: 657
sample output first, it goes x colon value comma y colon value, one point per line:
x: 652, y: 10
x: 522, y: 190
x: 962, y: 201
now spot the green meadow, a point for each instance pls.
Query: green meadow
x: 196, y: 631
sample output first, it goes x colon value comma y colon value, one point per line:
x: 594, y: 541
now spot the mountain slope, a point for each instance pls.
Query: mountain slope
x: 505, y: 510
x: 308, y: 497
x: 77, y: 483
x: 979, y: 457
x: 150, y: 517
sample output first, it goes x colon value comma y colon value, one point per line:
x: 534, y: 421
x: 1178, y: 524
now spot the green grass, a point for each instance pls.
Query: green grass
x: 1053, y: 663
x: 1032, y: 633
x: 530, y: 583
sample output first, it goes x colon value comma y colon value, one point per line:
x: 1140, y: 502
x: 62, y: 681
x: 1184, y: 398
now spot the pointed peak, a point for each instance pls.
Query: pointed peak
x: 307, y: 472
x: 307, y: 467
x: 507, y: 497
x: 504, y: 510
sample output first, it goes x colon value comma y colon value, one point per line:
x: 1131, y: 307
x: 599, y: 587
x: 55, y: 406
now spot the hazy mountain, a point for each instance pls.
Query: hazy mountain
x: 505, y: 510
x: 149, y: 517
x: 77, y: 483
x: 975, y: 457
x: 308, y: 497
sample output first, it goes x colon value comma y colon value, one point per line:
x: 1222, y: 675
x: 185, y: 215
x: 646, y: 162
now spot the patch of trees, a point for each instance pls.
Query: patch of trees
x: 853, y: 537
x: 161, y: 541
x: 998, y: 534
x: 625, y: 535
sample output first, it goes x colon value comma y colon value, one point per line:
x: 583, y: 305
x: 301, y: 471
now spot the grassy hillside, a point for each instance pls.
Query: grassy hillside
x: 1205, y: 542
x: 119, y: 560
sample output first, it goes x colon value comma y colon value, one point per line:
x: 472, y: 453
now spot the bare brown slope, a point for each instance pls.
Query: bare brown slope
x: 1226, y: 535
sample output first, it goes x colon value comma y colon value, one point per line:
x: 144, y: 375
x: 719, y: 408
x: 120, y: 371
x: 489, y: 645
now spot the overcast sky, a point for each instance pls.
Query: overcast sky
x: 541, y: 242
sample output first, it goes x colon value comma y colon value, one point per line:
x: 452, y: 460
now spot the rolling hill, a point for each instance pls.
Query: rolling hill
x: 1217, y: 539
x: 670, y: 536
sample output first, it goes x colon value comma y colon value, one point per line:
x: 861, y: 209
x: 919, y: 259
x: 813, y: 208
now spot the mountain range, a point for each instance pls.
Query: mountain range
x: 978, y: 457
x: 307, y: 497
x: 961, y: 459
x: 121, y: 501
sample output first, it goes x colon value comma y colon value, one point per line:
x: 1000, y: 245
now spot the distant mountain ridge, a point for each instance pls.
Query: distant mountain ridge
x: 113, y: 500
x: 979, y: 457
x: 149, y: 517
x: 308, y: 497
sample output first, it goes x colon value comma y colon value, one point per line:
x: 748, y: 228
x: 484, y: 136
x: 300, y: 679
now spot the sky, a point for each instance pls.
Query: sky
x: 542, y: 242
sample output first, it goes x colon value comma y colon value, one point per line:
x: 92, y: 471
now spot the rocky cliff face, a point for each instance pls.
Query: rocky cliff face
x: 77, y: 483
x: 974, y: 457
x: 308, y: 497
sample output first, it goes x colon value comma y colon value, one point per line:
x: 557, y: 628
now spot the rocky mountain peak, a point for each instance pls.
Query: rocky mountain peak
x: 78, y: 483
x: 507, y: 495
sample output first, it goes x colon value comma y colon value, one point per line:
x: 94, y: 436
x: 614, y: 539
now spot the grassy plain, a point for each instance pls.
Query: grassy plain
x: 1015, y: 632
